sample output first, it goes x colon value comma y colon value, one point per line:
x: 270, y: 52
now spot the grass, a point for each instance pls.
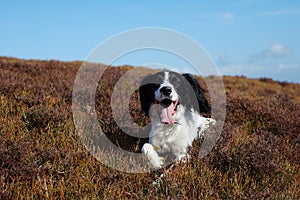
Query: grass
x: 41, y: 156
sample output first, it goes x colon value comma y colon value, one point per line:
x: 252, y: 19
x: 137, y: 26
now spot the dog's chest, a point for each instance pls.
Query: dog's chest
x: 168, y: 137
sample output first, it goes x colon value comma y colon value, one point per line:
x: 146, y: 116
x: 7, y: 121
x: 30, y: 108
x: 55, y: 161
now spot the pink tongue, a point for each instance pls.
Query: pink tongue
x: 166, y: 114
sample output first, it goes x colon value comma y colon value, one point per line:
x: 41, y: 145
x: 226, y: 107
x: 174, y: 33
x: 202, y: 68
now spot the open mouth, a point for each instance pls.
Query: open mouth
x: 166, y: 110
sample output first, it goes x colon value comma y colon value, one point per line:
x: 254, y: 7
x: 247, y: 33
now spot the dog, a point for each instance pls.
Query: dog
x: 173, y: 102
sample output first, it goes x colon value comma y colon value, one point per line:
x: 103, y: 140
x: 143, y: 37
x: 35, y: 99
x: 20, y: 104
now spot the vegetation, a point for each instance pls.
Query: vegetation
x: 41, y: 155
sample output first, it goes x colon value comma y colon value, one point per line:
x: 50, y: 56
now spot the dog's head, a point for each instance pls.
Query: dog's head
x: 166, y: 90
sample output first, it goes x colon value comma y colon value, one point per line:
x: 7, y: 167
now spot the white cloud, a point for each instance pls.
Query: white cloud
x: 282, y: 12
x: 276, y: 50
x: 273, y: 62
x: 284, y: 67
x: 241, y: 69
x: 279, y: 71
x: 223, y: 59
x: 228, y: 17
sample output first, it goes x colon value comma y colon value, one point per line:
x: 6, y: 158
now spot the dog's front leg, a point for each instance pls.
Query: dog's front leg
x: 155, y: 160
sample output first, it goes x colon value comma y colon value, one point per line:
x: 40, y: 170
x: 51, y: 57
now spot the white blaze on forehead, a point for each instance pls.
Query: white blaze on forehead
x: 166, y: 78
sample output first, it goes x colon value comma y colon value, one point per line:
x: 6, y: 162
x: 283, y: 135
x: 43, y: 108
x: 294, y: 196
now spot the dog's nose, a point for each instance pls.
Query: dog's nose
x: 166, y: 90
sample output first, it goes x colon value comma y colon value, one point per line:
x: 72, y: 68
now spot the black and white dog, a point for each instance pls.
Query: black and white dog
x: 173, y: 102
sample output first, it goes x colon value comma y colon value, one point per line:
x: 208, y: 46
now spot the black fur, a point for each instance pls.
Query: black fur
x: 148, y: 86
x: 199, y: 92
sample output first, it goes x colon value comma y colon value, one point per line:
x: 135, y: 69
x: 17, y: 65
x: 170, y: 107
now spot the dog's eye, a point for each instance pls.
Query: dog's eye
x: 159, y: 80
x: 175, y: 80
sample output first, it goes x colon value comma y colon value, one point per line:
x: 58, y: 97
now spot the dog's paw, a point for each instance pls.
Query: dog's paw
x: 147, y: 149
x: 210, y: 122
x: 205, y: 123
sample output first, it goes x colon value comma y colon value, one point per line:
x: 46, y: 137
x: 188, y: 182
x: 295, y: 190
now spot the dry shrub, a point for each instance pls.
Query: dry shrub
x: 40, y: 118
x: 15, y: 163
x: 41, y: 156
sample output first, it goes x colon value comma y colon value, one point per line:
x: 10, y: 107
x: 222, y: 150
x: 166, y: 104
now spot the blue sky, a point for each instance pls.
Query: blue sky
x: 255, y: 38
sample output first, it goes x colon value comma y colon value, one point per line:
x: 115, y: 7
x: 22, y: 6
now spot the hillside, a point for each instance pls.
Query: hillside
x: 41, y: 156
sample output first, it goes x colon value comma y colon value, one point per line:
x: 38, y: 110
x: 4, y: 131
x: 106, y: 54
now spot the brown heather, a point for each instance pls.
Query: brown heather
x: 41, y: 156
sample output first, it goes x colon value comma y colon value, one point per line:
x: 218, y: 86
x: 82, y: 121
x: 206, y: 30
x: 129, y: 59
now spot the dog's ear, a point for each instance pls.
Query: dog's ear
x: 199, y: 92
x: 146, y: 93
